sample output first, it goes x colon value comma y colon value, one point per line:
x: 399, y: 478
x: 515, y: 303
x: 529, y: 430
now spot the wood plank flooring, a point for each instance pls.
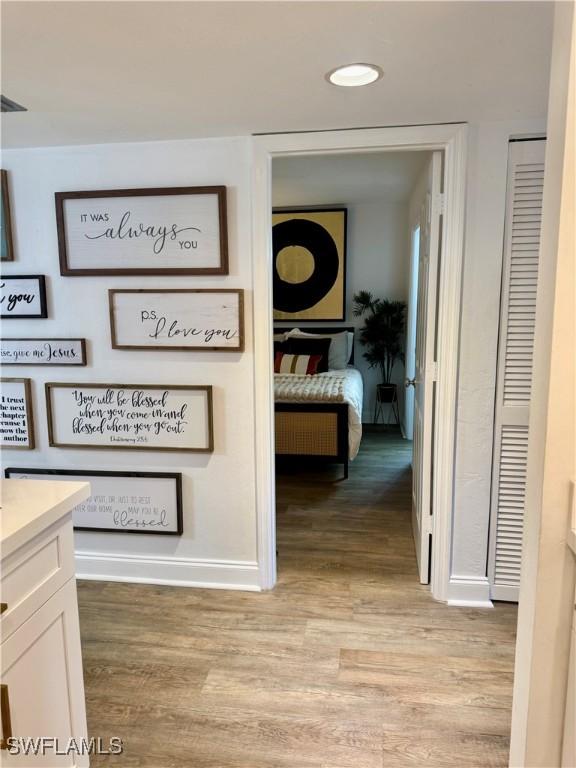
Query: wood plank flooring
x: 348, y: 663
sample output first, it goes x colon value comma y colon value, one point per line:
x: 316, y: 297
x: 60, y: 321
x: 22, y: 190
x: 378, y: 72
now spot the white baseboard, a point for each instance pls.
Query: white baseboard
x: 469, y: 591
x: 171, y: 571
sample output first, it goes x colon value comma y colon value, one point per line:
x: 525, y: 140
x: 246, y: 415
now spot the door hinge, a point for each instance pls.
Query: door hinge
x: 433, y: 371
x: 441, y: 203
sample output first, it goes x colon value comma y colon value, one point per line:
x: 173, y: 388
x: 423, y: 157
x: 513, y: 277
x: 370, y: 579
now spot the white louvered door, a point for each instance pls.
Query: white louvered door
x: 514, y: 383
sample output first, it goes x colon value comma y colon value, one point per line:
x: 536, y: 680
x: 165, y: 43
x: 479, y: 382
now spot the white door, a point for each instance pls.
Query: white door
x: 515, y: 349
x: 425, y: 367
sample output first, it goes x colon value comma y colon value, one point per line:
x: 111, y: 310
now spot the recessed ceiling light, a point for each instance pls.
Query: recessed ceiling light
x: 354, y: 75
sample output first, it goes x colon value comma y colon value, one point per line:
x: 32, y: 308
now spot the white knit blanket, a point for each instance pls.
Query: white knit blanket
x: 343, y: 386
x: 295, y: 387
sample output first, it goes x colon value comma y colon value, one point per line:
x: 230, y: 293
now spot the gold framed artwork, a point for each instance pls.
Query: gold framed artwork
x: 309, y: 250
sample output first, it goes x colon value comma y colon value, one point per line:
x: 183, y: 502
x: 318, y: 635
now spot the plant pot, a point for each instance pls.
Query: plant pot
x: 386, y: 393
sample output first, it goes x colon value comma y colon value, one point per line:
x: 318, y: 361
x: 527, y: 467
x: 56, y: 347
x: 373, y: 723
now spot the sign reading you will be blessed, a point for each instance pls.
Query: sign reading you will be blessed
x: 143, y: 231
x: 177, y: 319
x: 129, y: 416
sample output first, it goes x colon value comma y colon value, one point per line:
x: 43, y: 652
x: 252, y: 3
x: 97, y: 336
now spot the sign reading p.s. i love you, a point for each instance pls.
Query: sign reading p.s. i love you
x: 182, y: 318
x: 130, y: 416
x: 175, y: 230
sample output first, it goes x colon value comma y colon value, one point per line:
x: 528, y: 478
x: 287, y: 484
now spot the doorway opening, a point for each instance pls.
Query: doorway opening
x: 341, y: 351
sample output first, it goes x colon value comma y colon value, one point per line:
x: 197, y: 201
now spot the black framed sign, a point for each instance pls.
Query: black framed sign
x: 164, y: 231
x: 309, y: 270
x: 146, y: 417
x: 23, y: 296
x: 120, y: 502
x: 43, y: 351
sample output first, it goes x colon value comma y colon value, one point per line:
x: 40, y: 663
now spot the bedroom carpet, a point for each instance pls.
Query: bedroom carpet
x: 348, y: 663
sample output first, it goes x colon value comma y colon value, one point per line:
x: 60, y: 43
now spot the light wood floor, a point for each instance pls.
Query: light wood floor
x: 348, y: 663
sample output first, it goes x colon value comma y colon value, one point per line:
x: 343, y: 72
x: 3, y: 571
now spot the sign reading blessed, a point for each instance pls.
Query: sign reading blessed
x: 179, y: 230
x: 130, y: 416
x: 128, y: 502
x: 16, y: 423
x: 43, y: 351
x: 177, y: 319
x: 23, y: 296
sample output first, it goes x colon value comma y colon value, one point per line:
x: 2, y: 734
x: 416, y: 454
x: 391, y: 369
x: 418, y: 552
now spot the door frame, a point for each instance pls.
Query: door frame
x: 452, y: 140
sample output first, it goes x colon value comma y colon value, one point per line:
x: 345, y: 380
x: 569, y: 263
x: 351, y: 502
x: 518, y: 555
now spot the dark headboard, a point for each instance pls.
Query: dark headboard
x: 315, y: 329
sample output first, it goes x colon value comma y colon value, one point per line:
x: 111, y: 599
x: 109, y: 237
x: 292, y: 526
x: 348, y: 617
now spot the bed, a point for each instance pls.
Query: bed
x: 319, y: 417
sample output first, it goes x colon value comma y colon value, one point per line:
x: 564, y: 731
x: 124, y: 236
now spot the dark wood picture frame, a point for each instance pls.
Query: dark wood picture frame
x: 176, y: 476
x: 112, y: 292
x: 83, y: 359
x: 43, y: 314
x: 50, y: 385
x: 295, y: 316
x: 29, y: 415
x: 66, y: 270
x: 6, y: 219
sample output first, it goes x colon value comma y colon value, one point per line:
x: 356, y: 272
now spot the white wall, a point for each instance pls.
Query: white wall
x: 546, y: 612
x: 219, y: 541
x: 485, y: 211
x: 378, y: 261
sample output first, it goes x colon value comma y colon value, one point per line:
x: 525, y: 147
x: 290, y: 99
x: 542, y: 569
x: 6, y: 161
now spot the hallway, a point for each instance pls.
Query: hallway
x: 348, y: 663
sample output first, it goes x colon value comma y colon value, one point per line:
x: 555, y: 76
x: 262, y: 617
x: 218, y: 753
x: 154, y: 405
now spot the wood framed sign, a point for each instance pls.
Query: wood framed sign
x: 166, y: 231
x: 43, y: 351
x: 16, y: 418
x: 182, y: 319
x: 6, y: 244
x: 23, y: 296
x: 121, y: 502
x: 149, y: 417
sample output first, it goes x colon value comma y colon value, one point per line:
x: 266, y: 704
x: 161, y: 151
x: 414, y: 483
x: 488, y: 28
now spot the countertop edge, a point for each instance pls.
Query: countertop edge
x: 43, y: 521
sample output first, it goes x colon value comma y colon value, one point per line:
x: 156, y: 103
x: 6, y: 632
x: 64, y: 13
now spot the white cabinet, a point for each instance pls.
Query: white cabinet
x: 42, y: 691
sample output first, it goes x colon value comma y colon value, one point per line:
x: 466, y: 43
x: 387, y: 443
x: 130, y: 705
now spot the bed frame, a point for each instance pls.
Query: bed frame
x: 317, y: 432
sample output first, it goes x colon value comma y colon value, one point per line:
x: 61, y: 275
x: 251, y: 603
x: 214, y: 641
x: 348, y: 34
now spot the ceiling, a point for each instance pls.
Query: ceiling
x: 352, y: 178
x: 92, y: 72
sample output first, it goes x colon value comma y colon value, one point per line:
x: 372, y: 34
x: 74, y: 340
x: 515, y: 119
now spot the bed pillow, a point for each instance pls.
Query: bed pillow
x: 304, y: 345
x: 302, y: 364
x: 340, y: 347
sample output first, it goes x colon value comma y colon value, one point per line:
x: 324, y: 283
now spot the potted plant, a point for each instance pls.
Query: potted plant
x: 383, y: 336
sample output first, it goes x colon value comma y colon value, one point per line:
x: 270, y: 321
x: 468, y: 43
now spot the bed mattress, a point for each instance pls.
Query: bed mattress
x: 342, y: 386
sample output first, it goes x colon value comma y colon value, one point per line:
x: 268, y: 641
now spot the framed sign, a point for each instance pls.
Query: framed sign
x: 309, y: 249
x: 23, y: 296
x: 122, y: 502
x: 184, y: 319
x: 146, y: 417
x: 175, y: 230
x: 16, y: 419
x: 6, y: 245
x: 43, y: 351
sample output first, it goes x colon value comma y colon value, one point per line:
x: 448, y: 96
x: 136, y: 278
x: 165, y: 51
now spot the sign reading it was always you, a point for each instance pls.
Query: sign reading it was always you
x: 177, y: 230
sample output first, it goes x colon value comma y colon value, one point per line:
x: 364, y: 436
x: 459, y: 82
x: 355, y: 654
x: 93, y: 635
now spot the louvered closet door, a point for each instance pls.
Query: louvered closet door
x: 516, y: 342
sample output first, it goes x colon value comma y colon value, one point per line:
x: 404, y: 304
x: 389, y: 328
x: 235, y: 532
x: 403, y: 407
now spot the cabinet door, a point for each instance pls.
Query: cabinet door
x: 42, y: 669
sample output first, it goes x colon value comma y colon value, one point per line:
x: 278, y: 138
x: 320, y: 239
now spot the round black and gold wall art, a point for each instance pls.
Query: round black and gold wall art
x: 309, y: 250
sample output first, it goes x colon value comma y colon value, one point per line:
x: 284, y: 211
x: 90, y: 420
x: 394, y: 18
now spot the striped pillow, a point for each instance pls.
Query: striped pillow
x: 303, y: 364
